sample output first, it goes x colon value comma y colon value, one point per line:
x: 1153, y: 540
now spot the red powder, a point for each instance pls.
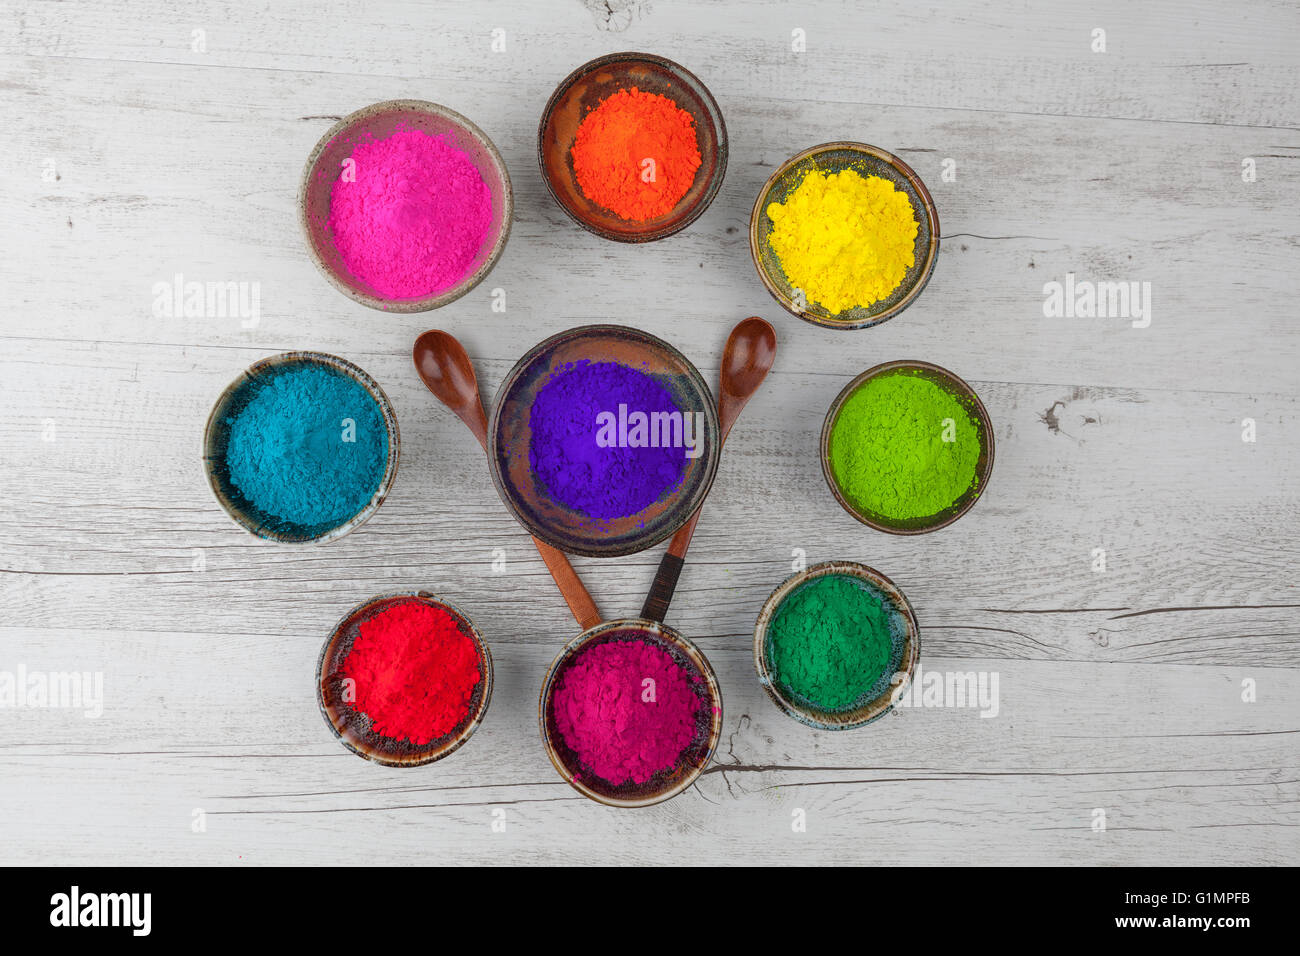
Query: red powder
x: 414, y: 672
x: 636, y: 154
x: 410, y: 216
x: 627, y: 709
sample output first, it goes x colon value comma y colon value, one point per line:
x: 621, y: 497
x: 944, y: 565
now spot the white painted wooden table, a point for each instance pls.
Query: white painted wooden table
x: 149, y: 139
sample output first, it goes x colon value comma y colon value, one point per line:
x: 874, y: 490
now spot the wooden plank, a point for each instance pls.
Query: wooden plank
x: 1197, y: 62
x: 117, y: 510
x: 1012, y: 227
x: 1181, y: 765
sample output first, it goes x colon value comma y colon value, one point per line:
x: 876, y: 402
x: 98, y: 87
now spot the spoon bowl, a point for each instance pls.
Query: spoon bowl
x: 746, y: 360
x: 446, y: 370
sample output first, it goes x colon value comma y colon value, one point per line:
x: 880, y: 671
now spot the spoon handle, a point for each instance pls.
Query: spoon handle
x: 745, y: 363
x: 447, y: 371
x: 670, y: 569
x: 562, y: 571
x: 571, y: 587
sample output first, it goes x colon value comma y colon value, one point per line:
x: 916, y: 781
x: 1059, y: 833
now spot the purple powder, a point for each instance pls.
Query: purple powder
x: 568, y: 461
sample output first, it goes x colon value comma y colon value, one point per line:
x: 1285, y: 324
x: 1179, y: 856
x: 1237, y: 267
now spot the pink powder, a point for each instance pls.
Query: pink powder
x: 415, y: 217
x: 620, y: 726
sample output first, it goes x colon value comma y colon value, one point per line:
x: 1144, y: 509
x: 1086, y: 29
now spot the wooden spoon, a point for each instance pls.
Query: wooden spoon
x: 446, y: 370
x: 750, y: 352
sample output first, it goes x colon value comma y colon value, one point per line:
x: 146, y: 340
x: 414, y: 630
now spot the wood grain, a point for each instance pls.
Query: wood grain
x: 1120, y: 690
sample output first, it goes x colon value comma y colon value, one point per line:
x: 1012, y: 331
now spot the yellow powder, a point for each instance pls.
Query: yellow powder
x: 843, y: 238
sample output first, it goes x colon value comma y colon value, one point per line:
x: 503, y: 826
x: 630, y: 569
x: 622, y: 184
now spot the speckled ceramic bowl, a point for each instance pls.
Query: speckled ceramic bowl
x: 216, y: 435
x: 879, y: 700
x: 353, y: 728
x: 869, y: 161
x: 694, y: 758
x: 510, y: 438
x: 377, y: 122
x: 983, y: 465
x: 586, y: 88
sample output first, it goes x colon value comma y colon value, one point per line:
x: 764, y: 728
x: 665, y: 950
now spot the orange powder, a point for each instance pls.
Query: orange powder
x: 636, y: 154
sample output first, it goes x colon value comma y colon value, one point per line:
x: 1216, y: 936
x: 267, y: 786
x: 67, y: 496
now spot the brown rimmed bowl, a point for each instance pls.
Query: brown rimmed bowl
x: 510, y: 438
x: 869, y: 161
x: 983, y: 465
x: 879, y: 699
x: 352, y: 727
x: 377, y: 122
x: 667, y: 783
x: 216, y: 435
x: 586, y: 88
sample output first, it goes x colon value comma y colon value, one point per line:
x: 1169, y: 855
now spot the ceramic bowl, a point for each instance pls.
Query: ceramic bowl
x: 879, y: 701
x: 510, y: 436
x: 216, y: 435
x: 833, y: 158
x: 983, y: 465
x: 378, y: 122
x: 352, y: 727
x: 586, y: 88
x: 693, y: 759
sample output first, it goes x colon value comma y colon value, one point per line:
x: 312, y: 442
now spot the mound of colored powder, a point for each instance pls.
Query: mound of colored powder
x: 412, y: 216
x: 903, y: 447
x: 414, y: 672
x: 831, y: 642
x: 568, y: 461
x: 636, y: 154
x: 308, y: 449
x: 627, y: 710
x: 845, y: 239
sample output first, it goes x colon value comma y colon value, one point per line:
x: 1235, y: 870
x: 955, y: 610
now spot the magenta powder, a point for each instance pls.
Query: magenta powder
x: 619, y: 725
x: 411, y: 218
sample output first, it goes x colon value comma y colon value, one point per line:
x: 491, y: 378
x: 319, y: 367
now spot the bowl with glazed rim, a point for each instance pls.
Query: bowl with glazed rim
x: 834, y: 158
x: 693, y: 759
x: 879, y: 699
x: 955, y: 386
x: 353, y: 727
x: 590, y: 85
x: 216, y: 435
x: 510, y: 441
x: 377, y: 122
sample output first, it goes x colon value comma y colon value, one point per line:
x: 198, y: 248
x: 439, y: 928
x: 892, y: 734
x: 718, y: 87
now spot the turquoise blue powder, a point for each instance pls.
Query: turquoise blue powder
x: 308, y: 448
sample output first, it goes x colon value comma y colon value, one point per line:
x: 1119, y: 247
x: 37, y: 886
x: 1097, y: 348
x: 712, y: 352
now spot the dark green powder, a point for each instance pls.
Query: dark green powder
x: 832, y: 641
